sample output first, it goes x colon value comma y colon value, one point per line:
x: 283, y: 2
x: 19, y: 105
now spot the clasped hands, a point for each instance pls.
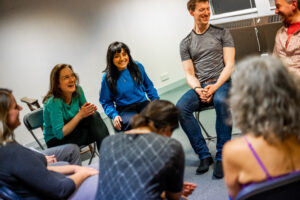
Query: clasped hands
x: 206, y: 93
x: 87, y: 109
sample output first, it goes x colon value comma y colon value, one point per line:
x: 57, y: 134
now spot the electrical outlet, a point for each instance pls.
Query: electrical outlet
x: 164, y: 77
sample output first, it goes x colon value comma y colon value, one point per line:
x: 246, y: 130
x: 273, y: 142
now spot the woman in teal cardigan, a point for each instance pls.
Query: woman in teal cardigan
x: 68, y: 117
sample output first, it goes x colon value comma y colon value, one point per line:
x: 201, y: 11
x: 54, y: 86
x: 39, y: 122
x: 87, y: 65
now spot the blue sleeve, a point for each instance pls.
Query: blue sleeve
x: 147, y: 83
x: 35, y: 175
x: 106, y: 99
x: 55, y: 109
x: 82, y: 99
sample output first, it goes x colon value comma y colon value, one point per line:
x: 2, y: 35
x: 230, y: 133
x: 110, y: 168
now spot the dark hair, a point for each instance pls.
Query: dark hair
x: 6, y: 134
x: 191, y: 4
x: 54, y: 90
x: 160, y: 112
x: 112, y: 72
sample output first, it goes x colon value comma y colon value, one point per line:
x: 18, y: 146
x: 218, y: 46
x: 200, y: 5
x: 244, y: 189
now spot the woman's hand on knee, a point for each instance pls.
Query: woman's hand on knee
x: 87, y: 109
x: 118, y: 122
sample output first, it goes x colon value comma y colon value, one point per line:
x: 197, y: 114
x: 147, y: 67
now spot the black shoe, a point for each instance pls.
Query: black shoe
x: 204, y: 165
x: 218, y: 170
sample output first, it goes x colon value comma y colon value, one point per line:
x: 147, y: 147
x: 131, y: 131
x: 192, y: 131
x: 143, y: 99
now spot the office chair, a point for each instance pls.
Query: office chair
x: 34, y: 120
x: 7, y: 194
x: 284, y: 187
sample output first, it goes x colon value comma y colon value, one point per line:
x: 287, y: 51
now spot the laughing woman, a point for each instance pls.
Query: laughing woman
x: 68, y: 117
x: 124, y: 84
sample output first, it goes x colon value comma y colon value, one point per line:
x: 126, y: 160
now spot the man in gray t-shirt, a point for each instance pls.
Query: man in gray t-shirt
x: 207, y: 55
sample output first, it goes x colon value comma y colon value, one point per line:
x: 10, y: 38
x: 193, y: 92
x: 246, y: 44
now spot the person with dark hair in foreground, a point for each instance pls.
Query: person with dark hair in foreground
x: 265, y: 100
x: 68, y: 117
x: 24, y: 171
x: 144, y: 163
x: 124, y: 85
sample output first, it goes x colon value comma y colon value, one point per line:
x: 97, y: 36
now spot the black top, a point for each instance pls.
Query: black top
x: 140, y: 166
x: 25, y: 172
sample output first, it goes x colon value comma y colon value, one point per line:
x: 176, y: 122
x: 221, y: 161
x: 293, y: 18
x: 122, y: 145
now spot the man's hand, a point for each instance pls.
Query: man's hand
x: 201, y: 93
x: 210, y: 89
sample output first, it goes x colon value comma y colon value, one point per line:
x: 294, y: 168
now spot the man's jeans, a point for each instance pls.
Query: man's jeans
x: 189, y: 103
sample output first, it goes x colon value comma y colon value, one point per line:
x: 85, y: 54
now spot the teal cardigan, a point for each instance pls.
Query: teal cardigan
x: 57, y: 113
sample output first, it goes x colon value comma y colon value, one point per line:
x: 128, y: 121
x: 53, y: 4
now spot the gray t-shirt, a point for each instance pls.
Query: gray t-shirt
x: 206, y: 51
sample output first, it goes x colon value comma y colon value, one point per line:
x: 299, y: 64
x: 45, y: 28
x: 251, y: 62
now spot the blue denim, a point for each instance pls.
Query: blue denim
x: 189, y: 103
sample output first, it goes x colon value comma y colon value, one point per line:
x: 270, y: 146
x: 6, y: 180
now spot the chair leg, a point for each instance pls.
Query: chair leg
x: 37, y: 140
x: 208, y: 137
x: 93, y: 152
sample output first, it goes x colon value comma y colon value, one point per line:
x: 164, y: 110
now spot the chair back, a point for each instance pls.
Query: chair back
x: 34, y: 120
x: 284, y: 187
x: 7, y: 194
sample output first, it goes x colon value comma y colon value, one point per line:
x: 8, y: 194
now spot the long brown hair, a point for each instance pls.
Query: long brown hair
x: 54, y: 90
x: 157, y: 115
x: 6, y: 134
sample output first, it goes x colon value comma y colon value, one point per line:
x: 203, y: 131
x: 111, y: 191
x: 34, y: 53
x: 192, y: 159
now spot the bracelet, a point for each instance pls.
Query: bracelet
x: 196, y: 87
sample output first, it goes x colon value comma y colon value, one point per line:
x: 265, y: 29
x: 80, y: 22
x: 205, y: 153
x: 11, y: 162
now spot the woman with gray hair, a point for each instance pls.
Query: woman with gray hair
x: 265, y: 100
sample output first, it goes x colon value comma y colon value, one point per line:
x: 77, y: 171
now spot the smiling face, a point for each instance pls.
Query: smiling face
x: 13, y: 115
x: 201, y: 13
x: 67, y: 81
x: 285, y: 10
x: 121, y: 60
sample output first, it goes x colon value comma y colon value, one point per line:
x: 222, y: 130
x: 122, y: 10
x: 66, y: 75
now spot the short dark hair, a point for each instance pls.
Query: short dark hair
x: 191, y: 4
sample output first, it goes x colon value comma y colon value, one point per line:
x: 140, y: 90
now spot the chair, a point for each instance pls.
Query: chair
x: 197, y: 115
x: 7, y: 194
x: 284, y: 187
x: 34, y: 120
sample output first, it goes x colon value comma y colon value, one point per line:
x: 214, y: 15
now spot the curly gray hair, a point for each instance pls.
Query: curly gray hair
x: 265, y: 98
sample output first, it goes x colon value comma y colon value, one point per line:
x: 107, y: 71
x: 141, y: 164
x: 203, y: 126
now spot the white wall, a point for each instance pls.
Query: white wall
x: 35, y: 35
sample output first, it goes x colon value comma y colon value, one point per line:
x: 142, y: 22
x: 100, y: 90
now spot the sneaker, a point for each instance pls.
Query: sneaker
x: 218, y: 170
x: 204, y: 165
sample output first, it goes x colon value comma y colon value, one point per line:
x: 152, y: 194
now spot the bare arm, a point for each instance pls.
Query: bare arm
x: 191, y: 79
x: 79, y: 174
x: 65, y: 169
x: 86, y: 110
x: 228, y: 55
x: 231, y: 170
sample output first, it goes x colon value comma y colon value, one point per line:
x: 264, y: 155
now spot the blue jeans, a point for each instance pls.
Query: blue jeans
x: 189, y: 103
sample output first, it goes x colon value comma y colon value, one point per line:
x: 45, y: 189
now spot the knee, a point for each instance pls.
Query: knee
x: 72, y: 148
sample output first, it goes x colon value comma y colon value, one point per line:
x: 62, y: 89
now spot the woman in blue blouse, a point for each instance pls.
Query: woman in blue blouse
x: 68, y: 117
x: 124, y: 85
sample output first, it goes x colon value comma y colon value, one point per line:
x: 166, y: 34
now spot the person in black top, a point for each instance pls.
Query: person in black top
x: 24, y: 171
x: 144, y: 163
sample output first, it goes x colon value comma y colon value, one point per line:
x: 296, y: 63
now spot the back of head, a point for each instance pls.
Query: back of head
x: 191, y: 4
x: 6, y: 134
x: 265, y: 98
x: 157, y: 115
